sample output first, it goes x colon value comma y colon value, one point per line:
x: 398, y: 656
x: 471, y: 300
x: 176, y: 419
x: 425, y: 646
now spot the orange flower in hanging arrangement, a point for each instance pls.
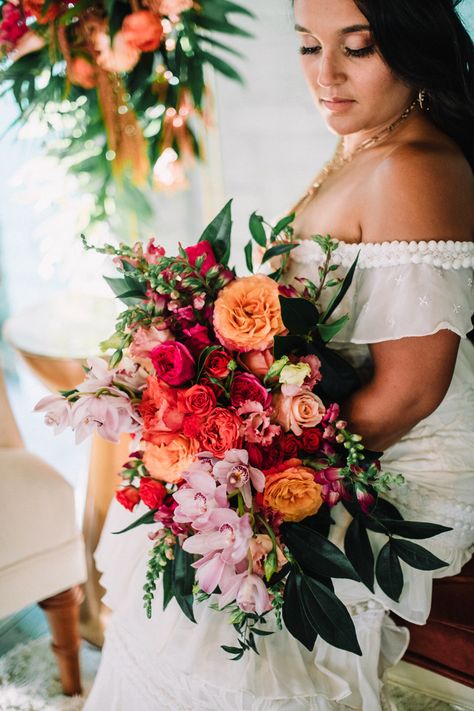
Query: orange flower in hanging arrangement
x: 35, y: 8
x: 143, y: 30
x: 82, y: 73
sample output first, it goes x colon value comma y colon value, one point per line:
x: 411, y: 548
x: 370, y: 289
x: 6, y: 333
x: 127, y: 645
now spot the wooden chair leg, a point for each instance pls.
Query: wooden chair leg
x: 62, y: 611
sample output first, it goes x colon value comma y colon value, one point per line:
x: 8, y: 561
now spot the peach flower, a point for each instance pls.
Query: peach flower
x: 258, y: 362
x: 174, y: 7
x: 298, y: 411
x: 169, y: 456
x: 119, y: 56
x: 81, y: 73
x: 293, y: 492
x: 247, y: 314
x: 260, y: 546
x: 143, y: 30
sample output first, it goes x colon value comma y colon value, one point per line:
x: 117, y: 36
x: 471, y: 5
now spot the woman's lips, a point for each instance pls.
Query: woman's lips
x: 337, y: 105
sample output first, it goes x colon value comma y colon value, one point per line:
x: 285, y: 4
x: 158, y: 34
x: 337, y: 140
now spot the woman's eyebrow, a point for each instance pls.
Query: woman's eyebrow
x: 345, y: 30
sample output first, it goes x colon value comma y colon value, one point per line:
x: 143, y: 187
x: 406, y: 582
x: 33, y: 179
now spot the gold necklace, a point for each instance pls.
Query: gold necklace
x: 338, y: 160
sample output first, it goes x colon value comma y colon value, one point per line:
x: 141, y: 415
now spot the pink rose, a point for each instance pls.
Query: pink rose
x: 247, y: 387
x: 299, y: 411
x: 144, y: 340
x: 173, y: 363
x: 196, y: 338
x: 197, y: 250
x: 258, y: 362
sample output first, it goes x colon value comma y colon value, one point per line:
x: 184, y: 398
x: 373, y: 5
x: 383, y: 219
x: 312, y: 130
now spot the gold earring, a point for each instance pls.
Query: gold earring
x: 421, y: 98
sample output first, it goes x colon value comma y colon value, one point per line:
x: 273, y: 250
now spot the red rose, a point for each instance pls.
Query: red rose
x: 310, y: 440
x: 265, y: 457
x: 196, y: 338
x: 192, y: 426
x: 152, y: 492
x: 220, y: 431
x: 198, y: 250
x: 256, y: 455
x: 247, y: 387
x: 128, y: 496
x: 287, y: 464
x: 217, y: 364
x: 199, y: 399
x: 290, y: 445
x: 173, y: 363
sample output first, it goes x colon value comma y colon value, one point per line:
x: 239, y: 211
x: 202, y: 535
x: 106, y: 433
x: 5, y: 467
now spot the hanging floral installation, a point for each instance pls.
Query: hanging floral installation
x: 121, y: 84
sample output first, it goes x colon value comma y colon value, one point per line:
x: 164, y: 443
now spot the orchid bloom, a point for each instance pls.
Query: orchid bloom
x: 198, y: 499
x: 248, y: 590
x: 236, y: 474
x: 58, y: 412
x: 98, y: 376
x: 109, y: 414
x: 230, y: 535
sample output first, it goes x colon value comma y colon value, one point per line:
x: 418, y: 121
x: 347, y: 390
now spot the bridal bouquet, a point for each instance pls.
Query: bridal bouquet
x: 230, y: 393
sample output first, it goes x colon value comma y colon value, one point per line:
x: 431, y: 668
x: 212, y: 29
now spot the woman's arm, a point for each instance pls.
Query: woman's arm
x: 411, y: 377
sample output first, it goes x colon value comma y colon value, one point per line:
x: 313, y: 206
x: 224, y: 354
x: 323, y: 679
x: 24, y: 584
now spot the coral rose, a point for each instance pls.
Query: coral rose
x: 217, y: 364
x: 293, y: 492
x: 169, y: 456
x: 220, y: 431
x: 81, y: 73
x: 298, y: 412
x: 161, y: 408
x: 174, y: 7
x: 151, y: 492
x: 116, y: 56
x: 258, y: 362
x: 143, y: 30
x: 128, y: 496
x: 247, y: 314
x: 199, y: 400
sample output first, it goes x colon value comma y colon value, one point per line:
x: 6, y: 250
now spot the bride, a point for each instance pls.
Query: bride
x: 394, y: 80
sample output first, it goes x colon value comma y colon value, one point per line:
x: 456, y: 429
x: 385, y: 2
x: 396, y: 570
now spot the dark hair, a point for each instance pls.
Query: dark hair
x: 426, y: 45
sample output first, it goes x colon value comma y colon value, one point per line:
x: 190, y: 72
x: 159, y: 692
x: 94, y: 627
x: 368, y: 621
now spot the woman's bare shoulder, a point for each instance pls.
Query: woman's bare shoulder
x: 422, y: 190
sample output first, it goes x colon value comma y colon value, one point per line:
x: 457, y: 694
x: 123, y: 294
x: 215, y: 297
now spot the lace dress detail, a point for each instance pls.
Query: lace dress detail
x: 168, y: 664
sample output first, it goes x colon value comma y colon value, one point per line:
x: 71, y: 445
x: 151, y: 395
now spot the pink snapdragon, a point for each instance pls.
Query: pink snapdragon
x: 235, y: 473
x: 58, y: 412
x: 333, y: 485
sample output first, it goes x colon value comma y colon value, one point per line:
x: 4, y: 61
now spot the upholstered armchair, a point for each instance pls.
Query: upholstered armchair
x: 41, y: 549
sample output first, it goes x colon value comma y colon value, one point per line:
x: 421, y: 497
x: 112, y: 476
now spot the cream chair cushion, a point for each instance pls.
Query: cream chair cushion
x: 41, y: 550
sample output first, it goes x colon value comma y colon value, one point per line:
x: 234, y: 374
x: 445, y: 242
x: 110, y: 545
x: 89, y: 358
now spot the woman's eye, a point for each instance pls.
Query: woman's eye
x: 309, y: 50
x: 362, y: 52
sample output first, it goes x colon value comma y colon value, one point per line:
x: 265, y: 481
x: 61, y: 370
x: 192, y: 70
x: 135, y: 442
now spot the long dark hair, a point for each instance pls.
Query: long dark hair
x: 426, y: 45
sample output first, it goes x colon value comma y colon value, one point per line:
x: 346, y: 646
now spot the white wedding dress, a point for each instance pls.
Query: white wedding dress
x: 170, y: 664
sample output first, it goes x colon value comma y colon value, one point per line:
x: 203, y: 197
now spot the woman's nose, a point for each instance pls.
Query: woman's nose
x: 329, y: 71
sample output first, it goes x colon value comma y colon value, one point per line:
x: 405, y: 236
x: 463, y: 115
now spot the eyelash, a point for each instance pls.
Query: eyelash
x: 362, y: 52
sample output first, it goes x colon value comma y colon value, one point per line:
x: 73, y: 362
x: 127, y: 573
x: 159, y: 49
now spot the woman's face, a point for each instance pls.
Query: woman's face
x: 351, y: 84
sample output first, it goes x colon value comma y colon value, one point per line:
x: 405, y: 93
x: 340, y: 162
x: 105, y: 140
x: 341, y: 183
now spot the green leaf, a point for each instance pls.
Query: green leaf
x: 294, y: 616
x: 337, y: 298
x: 257, y: 229
x: 339, y: 378
x: 221, y: 66
x: 122, y: 288
x: 183, y: 580
x: 248, y: 251
x: 359, y: 551
x: 218, y: 233
x: 416, y: 556
x: 300, y: 316
x: 277, y: 250
x: 285, y: 345
x: 262, y: 633
x: 327, y: 331
x: 388, y: 572
x: 281, y: 224
x: 414, y: 529
x: 148, y: 517
x: 327, y: 615
x: 385, y: 509
x: 316, y: 555
x: 168, y: 593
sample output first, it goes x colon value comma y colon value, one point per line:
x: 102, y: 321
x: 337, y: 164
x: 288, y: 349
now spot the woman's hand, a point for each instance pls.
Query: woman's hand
x: 411, y: 377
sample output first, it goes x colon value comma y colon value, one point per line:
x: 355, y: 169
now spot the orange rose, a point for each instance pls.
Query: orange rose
x: 143, y: 30
x: 82, y: 73
x: 296, y: 412
x: 169, y: 456
x: 293, y: 492
x: 247, y: 314
x: 220, y: 431
x: 258, y: 362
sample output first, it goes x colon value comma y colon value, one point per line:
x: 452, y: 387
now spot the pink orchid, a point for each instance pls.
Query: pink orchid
x: 257, y: 424
x: 109, y: 415
x: 210, y: 570
x: 235, y: 473
x: 198, y: 499
x: 98, y: 376
x: 58, y: 412
x: 229, y: 536
x: 252, y: 595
